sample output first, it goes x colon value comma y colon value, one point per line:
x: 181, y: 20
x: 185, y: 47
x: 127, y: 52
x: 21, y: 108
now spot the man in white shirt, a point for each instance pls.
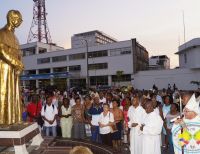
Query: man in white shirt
x: 65, y: 94
x: 136, y: 115
x: 49, y: 113
x: 95, y: 112
x: 72, y: 102
x: 151, y: 130
x: 55, y: 100
x: 102, y: 99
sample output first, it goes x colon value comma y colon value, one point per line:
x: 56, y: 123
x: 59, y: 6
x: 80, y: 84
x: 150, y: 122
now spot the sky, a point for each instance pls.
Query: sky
x: 156, y: 24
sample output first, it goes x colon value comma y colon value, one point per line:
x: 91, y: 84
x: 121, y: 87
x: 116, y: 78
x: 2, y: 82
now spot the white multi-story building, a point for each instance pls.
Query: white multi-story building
x: 188, y: 71
x: 159, y: 62
x: 70, y: 67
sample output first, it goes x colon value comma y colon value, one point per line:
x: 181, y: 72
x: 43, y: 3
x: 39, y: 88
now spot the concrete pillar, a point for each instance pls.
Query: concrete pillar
x: 68, y: 79
x: 68, y: 83
x: 37, y: 81
x: 23, y: 82
x: 109, y: 80
x: 51, y: 80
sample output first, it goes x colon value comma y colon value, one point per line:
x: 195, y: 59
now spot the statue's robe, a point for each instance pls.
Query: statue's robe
x: 10, y: 68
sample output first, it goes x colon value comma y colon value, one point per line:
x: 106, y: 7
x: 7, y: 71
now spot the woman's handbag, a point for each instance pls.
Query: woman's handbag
x: 39, y: 119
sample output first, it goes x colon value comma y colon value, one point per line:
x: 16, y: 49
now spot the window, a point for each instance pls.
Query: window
x: 59, y: 58
x: 30, y: 84
x: 60, y: 82
x: 115, y: 52
x: 98, y: 66
x: 42, y: 50
x: 185, y: 57
x: 126, y: 51
x: 141, y: 59
x: 43, y: 83
x: 29, y: 72
x: 98, y: 54
x: 43, y: 60
x: 123, y: 78
x: 29, y: 51
x: 120, y: 51
x: 77, y: 82
x: 74, y: 68
x: 98, y: 80
x: 77, y: 56
x: 59, y: 69
x: 44, y: 71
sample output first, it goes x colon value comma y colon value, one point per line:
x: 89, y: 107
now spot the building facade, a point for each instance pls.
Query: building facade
x: 189, y: 54
x: 188, y: 71
x: 93, y: 38
x: 101, y: 62
x: 159, y: 62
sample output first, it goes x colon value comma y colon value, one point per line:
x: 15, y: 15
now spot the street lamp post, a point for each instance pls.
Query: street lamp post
x: 87, y: 75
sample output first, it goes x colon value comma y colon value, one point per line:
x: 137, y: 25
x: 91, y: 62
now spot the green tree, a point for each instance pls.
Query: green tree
x: 197, y: 83
x: 119, y: 74
x: 60, y: 83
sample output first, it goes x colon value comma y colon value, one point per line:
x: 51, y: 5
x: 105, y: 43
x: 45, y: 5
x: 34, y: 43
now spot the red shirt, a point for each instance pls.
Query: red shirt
x: 125, y: 112
x: 123, y: 103
x: 34, y: 110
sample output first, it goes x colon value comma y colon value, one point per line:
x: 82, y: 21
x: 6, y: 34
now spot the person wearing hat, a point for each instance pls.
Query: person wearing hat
x: 186, y: 130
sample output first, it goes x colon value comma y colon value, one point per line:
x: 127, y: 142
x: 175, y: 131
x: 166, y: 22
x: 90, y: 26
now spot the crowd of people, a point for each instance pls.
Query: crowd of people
x: 139, y: 118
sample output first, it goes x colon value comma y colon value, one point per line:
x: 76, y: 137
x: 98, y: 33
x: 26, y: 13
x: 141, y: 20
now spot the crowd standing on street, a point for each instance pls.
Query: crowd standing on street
x: 111, y: 117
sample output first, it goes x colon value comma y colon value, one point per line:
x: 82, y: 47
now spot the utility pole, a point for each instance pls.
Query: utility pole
x: 87, y: 72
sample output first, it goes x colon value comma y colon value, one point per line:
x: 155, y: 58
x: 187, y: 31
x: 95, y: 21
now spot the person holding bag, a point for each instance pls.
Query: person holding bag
x: 49, y: 114
x: 118, y: 117
x: 34, y: 110
x: 106, y: 120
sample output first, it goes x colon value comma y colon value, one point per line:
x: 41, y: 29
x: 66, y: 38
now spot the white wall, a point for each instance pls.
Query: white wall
x: 192, y: 51
x: 161, y: 78
x: 193, y: 58
x: 43, y: 45
x: 153, y: 61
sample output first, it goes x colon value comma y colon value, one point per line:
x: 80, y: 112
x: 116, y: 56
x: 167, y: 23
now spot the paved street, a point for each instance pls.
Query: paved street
x: 4, y: 150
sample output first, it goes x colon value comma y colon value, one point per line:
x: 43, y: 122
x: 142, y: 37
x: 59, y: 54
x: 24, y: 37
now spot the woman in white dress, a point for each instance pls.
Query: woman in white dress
x: 66, y: 118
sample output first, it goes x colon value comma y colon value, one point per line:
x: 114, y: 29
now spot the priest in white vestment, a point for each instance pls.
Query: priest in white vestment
x: 136, y: 115
x: 186, y: 131
x: 151, y: 130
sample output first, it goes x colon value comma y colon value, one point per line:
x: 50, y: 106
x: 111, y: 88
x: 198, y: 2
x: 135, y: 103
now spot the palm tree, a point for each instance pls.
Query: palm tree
x: 119, y: 74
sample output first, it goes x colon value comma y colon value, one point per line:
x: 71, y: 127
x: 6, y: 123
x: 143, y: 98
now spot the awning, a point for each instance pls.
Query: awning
x: 45, y: 76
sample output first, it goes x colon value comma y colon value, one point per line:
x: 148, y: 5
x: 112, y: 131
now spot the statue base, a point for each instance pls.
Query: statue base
x: 18, y: 135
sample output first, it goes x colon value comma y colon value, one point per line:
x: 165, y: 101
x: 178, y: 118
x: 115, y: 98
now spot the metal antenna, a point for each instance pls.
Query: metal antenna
x: 184, y: 26
x: 39, y: 30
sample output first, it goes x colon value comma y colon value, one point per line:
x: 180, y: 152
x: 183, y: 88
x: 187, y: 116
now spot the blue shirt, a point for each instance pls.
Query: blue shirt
x: 95, y: 110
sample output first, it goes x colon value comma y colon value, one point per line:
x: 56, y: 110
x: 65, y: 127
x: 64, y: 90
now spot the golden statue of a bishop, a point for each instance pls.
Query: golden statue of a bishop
x: 10, y: 68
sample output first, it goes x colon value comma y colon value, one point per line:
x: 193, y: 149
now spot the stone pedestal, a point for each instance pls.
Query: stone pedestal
x: 19, y: 135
